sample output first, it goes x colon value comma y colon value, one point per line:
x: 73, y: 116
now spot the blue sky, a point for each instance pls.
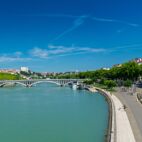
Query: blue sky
x: 61, y: 35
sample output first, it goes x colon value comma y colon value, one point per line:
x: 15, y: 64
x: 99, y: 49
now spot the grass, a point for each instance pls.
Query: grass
x: 104, y: 87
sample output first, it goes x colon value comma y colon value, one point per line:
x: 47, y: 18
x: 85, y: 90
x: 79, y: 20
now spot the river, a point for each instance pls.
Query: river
x: 48, y: 113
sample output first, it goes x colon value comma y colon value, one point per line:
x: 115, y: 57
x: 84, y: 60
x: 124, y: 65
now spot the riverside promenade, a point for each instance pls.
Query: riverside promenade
x: 134, y: 111
x: 121, y: 130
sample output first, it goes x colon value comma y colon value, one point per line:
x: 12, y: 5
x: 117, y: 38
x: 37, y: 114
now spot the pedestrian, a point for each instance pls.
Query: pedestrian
x: 124, y: 106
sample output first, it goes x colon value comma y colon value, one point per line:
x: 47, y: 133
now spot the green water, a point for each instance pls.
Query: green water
x: 48, y: 113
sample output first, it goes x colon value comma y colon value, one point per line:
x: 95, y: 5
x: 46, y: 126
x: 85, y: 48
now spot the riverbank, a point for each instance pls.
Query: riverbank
x: 118, y: 118
x: 109, y: 133
x: 134, y: 111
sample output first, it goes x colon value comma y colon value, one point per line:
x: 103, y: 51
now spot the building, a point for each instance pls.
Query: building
x: 106, y: 69
x: 117, y: 65
x: 138, y: 61
x: 24, y: 69
x: 11, y: 71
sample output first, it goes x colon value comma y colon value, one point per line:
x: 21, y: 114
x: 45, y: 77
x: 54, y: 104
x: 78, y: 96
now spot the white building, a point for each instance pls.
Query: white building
x: 106, y: 69
x: 138, y: 61
x: 25, y: 69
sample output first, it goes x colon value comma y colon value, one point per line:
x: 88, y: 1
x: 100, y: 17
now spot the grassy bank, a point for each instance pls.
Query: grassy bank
x: 8, y: 76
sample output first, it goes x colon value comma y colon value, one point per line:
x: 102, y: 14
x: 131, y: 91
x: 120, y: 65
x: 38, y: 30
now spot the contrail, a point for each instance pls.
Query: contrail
x: 79, y: 21
x: 114, y: 21
x: 114, y: 49
x: 91, y: 17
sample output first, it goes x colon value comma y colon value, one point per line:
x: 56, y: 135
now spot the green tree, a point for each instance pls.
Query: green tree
x: 140, y: 70
x: 128, y: 83
x: 25, y: 73
x: 88, y: 82
x: 129, y: 71
x: 110, y: 84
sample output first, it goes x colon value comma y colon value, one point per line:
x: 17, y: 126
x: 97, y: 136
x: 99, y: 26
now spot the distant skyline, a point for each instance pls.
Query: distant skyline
x: 71, y: 35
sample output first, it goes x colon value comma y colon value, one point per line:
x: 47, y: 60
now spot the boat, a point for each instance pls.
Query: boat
x: 77, y: 86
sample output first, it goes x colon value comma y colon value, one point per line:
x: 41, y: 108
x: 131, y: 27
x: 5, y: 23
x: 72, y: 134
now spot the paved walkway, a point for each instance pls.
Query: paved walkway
x: 134, y: 112
x: 123, y: 131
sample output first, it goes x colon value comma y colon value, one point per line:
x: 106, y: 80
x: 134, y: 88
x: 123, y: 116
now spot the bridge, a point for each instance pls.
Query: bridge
x: 32, y: 82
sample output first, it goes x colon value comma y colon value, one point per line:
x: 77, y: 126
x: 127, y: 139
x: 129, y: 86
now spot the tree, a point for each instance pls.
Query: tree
x: 88, y: 82
x: 129, y: 71
x: 140, y: 70
x: 110, y: 84
x: 128, y: 83
x: 25, y: 73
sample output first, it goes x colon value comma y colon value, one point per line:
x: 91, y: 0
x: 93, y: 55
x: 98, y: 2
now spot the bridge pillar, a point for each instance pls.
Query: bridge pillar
x: 28, y: 84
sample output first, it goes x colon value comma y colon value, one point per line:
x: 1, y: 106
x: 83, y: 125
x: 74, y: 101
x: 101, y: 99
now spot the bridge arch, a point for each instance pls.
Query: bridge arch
x: 69, y: 82
x: 39, y: 82
x: 20, y: 84
x: 1, y: 85
x: 5, y: 83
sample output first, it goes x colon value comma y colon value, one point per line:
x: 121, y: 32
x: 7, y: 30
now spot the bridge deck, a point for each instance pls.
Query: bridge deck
x: 32, y: 82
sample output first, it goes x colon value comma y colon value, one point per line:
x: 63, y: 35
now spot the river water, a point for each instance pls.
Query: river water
x: 48, y: 113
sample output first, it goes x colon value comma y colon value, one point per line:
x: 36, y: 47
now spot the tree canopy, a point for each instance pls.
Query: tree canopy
x: 128, y: 71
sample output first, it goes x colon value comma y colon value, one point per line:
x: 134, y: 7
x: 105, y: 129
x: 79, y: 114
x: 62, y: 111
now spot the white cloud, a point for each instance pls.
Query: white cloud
x: 13, y: 59
x: 54, y: 50
x: 51, y: 51
x: 59, y: 49
x: 88, y: 49
x: 124, y: 47
x: 102, y: 19
x: 39, y: 52
x: 18, y: 54
x: 69, y: 49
